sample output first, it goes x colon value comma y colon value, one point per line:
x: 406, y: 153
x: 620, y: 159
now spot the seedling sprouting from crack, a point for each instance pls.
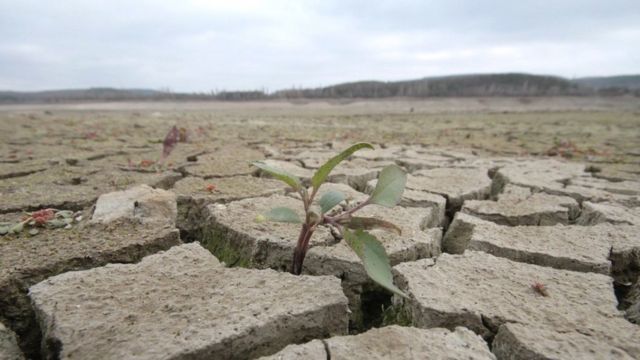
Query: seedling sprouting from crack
x: 387, y: 193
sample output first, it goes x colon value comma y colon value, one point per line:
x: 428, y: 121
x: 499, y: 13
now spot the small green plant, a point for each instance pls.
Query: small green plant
x: 388, y: 192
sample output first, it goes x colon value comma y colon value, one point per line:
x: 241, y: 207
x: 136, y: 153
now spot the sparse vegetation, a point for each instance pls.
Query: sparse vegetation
x: 387, y: 193
x: 45, y: 218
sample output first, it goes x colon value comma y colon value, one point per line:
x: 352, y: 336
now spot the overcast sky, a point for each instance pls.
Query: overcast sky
x: 200, y: 45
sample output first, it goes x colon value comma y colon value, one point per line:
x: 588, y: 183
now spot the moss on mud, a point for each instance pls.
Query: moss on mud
x: 223, y: 247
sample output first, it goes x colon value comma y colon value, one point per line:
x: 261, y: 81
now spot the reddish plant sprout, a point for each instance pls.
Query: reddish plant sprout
x: 210, y: 188
x: 170, y: 142
x: 184, y: 135
x: 41, y: 217
x: 539, y: 288
x: 146, y: 163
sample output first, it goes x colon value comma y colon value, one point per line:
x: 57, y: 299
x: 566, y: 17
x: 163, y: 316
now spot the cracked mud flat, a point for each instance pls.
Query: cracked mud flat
x: 505, y: 253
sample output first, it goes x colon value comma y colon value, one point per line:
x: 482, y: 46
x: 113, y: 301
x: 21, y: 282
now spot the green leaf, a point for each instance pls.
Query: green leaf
x: 366, y: 223
x: 283, y: 214
x: 330, y: 199
x: 16, y: 228
x: 4, y: 230
x: 281, y: 175
x: 34, y: 232
x: 56, y: 223
x: 321, y: 174
x: 65, y: 213
x: 374, y: 258
x: 390, y: 186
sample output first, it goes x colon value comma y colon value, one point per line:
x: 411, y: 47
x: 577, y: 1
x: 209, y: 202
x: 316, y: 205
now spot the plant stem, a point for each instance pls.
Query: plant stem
x: 301, y: 249
x: 347, y: 213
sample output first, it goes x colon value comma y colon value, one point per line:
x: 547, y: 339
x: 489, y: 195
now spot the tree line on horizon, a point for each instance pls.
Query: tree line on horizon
x: 517, y: 85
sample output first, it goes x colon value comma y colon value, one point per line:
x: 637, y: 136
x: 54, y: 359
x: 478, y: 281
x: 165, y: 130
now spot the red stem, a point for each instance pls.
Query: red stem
x: 301, y: 249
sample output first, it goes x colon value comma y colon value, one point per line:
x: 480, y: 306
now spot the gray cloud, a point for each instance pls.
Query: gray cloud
x: 199, y: 45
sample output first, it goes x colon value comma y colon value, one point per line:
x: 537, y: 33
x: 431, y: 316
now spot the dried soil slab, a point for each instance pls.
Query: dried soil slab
x: 393, y: 342
x: 71, y: 187
x: 183, y: 304
x: 226, y: 189
x: 227, y: 161
x: 415, y: 198
x: 387, y: 153
x: 234, y: 235
x: 582, y: 194
x: 414, y: 243
x: 27, y: 260
x: 237, y: 237
x: 618, y: 187
x: 617, y: 172
x: 18, y: 169
x: 456, y: 184
x: 356, y: 173
x: 517, y: 341
x: 9, y: 349
x: 482, y: 292
x: 576, y: 248
x: 597, y: 213
x: 566, y: 179
x: 453, y: 154
x: 518, y: 206
x: 194, y: 195
x: 313, y: 159
x: 424, y: 161
x: 416, y: 239
x: 537, y: 174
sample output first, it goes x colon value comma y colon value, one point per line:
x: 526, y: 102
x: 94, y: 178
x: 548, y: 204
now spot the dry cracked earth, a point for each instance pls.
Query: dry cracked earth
x: 505, y: 252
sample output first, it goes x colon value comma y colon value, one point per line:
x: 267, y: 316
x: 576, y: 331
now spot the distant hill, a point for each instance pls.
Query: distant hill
x: 92, y: 94
x: 510, y: 84
x: 457, y: 85
x: 111, y: 94
x: 631, y: 82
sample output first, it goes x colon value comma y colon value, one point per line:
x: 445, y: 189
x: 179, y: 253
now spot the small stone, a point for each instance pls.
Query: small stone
x: 142, y: 203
